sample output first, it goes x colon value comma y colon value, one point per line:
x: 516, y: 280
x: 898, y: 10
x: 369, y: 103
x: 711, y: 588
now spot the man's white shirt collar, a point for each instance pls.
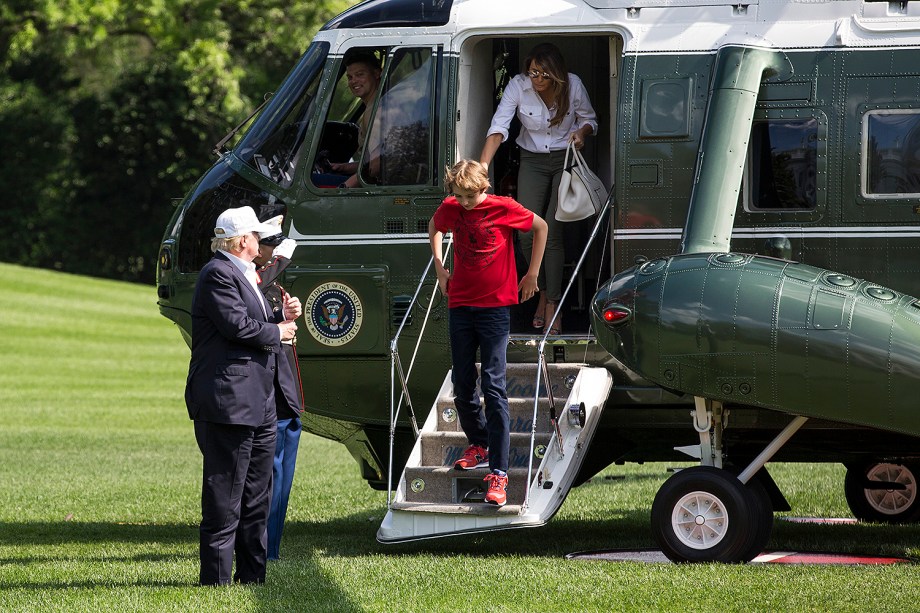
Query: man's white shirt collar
x: 240, y: 263
x: 249, y: 271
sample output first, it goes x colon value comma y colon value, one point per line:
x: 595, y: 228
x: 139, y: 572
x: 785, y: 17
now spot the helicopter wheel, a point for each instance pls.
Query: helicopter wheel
x: 891, y: 506
x: 704, y: 514
x: 761, y: 517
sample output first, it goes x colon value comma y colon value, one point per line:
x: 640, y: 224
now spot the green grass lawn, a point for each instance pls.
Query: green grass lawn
x: 99, y: 501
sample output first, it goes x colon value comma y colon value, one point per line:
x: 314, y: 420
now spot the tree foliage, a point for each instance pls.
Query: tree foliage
x: 109, y: 110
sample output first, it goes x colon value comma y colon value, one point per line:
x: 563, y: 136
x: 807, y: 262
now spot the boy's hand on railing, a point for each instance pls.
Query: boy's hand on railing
x: 443, y: 276
x: 528, y: 287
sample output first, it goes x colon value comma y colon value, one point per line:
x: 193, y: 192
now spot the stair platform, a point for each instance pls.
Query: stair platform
x: 480, y: 508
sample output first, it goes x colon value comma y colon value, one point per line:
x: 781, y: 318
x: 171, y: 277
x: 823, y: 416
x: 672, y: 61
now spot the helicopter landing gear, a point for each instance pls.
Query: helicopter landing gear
x: 884, y: 492
x: 705, y: 514
x: 709, y: 513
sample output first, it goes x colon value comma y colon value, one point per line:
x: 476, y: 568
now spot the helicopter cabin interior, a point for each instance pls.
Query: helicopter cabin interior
x: 485, y: 67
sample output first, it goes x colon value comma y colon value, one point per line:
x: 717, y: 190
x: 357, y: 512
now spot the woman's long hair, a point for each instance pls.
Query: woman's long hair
x: 550, y: 59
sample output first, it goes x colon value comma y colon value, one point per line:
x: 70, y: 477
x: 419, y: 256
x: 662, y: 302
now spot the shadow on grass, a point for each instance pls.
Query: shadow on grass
x: 47, y: 586
x: 98, y: 548
x: 355, y: 535
x: 351, y: 535
x: 66, y: 532
x: 620, y: 479
x: 858, y: 538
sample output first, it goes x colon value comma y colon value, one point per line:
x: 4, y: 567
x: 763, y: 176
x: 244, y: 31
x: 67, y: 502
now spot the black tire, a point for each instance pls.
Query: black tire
x: 704, y: 514
x: 761, y: 508
x: 761, y: 518
x: 884, y: 506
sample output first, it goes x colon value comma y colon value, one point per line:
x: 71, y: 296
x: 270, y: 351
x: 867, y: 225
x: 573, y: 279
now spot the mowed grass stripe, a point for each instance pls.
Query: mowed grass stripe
x: 99, y: 501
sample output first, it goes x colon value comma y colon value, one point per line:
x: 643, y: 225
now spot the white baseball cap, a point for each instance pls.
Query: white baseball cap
x: 240, y: 221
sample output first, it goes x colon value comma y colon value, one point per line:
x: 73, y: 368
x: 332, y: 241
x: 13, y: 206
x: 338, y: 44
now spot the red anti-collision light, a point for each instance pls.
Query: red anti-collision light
x: 615, y: 315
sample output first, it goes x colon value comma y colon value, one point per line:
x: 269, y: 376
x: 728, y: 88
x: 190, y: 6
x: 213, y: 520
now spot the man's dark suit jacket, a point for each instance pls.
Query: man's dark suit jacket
x: 234, y: 349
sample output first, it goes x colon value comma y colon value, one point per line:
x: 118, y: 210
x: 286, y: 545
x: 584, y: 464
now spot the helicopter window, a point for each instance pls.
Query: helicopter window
x: 783, y: 164
x: 274, y: 143
x: 398, y: 150
x: 345, y: 129
x: 892, y: 153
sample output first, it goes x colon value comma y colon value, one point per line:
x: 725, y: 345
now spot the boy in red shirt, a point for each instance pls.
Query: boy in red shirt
x: 480, y: 292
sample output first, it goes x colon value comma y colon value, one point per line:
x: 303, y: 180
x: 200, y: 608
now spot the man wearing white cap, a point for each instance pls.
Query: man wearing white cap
x: 230, y: 395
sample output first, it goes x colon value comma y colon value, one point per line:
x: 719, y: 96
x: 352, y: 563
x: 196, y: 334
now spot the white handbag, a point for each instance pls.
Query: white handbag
x: 581, y: 192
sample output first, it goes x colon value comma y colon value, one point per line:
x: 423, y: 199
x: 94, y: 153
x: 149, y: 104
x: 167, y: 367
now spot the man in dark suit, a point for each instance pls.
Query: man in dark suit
x: 230, y: 395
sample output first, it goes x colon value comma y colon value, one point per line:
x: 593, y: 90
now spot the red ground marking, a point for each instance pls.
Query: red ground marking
x: 767, y: 557
x: 823, y: 558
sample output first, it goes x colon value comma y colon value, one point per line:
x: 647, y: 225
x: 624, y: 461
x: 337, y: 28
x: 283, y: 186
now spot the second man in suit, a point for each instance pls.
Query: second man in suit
x: 275, y: 251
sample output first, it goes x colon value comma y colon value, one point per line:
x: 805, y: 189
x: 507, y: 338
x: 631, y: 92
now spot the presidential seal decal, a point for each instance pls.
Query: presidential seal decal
x: 333, y: 314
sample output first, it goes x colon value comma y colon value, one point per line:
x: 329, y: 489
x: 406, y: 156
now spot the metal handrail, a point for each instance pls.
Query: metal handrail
x: 396, y: 367
x: 542, y: 368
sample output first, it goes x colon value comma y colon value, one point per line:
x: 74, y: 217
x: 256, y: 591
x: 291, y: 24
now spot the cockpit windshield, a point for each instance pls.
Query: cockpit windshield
x: 274, y: 143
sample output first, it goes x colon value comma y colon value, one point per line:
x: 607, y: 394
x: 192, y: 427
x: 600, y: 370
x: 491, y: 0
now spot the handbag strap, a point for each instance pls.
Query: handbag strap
x: 568, y: 150
x: 577, y: 158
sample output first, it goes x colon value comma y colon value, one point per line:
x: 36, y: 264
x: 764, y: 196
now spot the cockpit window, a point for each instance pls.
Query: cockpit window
x: 274, y: 143
x: 398, y: 150
x: 345, y: 129
x: 378, y: 130
x: 891, y: 141
x: 784, y: 165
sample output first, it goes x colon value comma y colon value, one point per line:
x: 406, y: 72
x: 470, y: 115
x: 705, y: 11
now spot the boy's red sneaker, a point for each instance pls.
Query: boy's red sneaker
x: 497, y: 485
x: 474, y: 457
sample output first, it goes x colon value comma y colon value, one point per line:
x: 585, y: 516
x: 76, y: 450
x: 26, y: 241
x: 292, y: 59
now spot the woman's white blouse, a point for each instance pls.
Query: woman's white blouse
x: 536, y: 135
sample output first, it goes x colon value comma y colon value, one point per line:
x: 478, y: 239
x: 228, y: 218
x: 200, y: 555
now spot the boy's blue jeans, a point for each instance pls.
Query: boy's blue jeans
x: 485, y: 329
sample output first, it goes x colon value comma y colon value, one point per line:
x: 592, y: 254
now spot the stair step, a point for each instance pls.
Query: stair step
x: 520, y: 379
x: 554, y: 368
x: 479, y: 508
x: 444, y: 485
x: 520, y: 412
x: 445, y: 448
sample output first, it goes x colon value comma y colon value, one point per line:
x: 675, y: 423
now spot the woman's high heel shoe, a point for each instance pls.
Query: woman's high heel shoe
x: 548, y: 314
x: 539, y: 320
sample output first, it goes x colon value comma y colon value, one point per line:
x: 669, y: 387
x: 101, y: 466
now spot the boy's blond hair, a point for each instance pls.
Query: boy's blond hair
x: 468, y: 175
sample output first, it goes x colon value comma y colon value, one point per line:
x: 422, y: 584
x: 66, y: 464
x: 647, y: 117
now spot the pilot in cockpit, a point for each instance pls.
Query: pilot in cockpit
x: 363, y: 72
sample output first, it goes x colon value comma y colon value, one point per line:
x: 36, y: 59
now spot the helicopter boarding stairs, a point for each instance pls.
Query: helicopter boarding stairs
x: 434, y: 499
x: 548, y: 444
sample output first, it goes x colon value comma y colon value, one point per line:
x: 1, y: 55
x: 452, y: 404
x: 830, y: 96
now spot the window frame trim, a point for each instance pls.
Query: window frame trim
x: 309, y: 136
x: 766, y: 115
x: 334, y: 63
x: 867, y: 112
x: 437, y: 55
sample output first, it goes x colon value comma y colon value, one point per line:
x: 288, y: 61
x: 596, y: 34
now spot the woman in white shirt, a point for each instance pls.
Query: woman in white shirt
x: 553, y: 108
